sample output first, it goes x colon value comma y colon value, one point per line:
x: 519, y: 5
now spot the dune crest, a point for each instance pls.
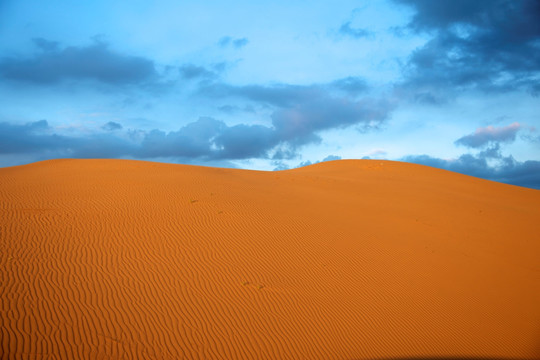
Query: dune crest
x: 357, y: 259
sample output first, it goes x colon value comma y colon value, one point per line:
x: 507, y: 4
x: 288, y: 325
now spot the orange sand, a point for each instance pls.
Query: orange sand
x: 367, y: 259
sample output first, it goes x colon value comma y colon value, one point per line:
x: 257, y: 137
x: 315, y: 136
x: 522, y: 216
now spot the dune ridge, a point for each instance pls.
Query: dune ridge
x: 355, y: 259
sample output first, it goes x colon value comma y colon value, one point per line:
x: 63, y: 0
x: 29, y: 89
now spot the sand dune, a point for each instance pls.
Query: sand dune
x: 114, y: 259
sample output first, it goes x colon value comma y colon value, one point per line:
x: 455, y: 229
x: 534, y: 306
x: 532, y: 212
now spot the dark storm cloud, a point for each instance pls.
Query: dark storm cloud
x: 492, y: 45
x: 111, y: 126
x: 357, y: 33
x: 52, y: 64
x: 490, y: 135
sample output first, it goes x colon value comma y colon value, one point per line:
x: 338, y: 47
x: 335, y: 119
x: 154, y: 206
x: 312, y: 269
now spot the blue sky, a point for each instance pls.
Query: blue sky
x: 274, y: 85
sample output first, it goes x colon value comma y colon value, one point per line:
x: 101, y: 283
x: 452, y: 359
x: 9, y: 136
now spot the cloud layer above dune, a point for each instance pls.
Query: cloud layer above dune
x: 453, y: 84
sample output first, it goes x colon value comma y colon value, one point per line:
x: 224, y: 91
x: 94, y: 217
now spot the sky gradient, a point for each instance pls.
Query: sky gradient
x: 453, y: 84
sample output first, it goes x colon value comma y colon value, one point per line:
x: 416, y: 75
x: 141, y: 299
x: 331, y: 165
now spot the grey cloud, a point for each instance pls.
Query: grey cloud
x: 30, y: 137
x: 46, y: 45
x: 489, y: 163
x: 193, y: 140
x: 97, y: 62
x: 293, y: 125
x: 209, y: 141
x: 206, y: 139
x: 111, y: 126
x: 231, y: 109
x: 300, y: 124
x: 508, y: 170
x: 352, y: 85
x: 191, y: 71
x: 489, y: 135
x: 357, y: 33
x: 492, y: 152
x: 280, y: 166
x: 246, y: 141
x: 301, y: 112
x: 491, y: 45
x: 444, y: 13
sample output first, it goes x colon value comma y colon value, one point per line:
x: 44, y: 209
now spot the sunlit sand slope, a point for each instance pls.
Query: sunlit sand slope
x: 106, y: 259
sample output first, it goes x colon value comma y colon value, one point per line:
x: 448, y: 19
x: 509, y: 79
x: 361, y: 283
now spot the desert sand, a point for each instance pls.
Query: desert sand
x: 355, y: 259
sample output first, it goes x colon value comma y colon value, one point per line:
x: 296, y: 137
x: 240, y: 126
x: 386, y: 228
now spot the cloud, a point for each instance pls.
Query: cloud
x: 28, y: 138
x: 46, y: 45
x: 300, y: 113
x: 507, y: 170
x: 308, y: 162
x: 352, y: 85
x: 445, y: 13
x: 331, y: 158
x: 236, y: 43
x: 191, y: 71
x: 294, y: 124
x: 209, y: 140
x: 356, y: 33
x: 301, y: 123
x: 194, y: 140
x: 489, y: 163
x: 111, y: 126
x: 246, y: 141
x: 489, y: 135
x: 51, y: 64
x: 231, y: 109
x: 224, y: 41
x: 206, y: 139
x: 491, y: 45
